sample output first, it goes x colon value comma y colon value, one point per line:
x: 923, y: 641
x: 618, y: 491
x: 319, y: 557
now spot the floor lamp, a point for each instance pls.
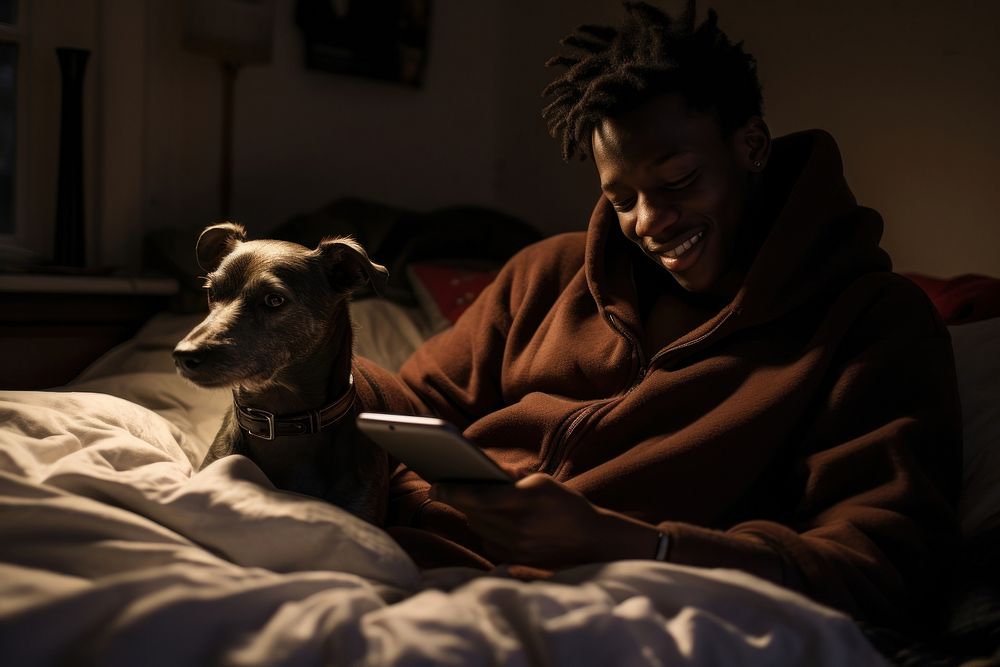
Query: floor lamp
x: 236, y: 33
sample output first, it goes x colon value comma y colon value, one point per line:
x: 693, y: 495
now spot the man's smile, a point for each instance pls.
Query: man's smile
x: 678, y: 245
x: 680, y: 252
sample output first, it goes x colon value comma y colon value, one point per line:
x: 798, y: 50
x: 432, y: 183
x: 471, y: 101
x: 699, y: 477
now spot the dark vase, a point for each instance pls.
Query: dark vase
x: 70, y: 244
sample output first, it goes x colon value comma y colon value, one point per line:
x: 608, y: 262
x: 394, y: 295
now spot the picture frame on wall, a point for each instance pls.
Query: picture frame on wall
x: 378, y: 39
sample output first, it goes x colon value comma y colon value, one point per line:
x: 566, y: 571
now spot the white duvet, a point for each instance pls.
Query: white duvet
x: 113, y: 551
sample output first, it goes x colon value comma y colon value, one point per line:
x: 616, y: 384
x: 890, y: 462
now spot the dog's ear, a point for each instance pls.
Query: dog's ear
x: 216, y: 242
x: 349, y: 266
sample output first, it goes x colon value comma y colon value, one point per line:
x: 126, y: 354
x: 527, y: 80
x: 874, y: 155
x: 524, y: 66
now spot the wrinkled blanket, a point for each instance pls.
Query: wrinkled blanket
x: 114, y: 551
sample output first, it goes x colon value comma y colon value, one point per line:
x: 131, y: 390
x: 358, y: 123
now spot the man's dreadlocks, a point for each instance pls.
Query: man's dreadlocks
x: 616, y: 70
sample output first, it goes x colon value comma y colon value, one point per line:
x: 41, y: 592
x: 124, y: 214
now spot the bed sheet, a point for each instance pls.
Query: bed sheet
x: 113, y: 550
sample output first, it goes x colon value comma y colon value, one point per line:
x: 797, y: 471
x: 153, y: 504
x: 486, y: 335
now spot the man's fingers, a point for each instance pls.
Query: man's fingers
x: 535, y: 480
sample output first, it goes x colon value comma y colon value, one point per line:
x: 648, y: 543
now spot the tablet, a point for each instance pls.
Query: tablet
x: 433, y: 448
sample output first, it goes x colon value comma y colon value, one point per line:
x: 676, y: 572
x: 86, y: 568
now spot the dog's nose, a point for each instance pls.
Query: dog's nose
x: 188, y: 359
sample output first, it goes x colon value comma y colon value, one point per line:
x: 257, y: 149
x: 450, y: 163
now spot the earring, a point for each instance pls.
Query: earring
x: 756, y: 164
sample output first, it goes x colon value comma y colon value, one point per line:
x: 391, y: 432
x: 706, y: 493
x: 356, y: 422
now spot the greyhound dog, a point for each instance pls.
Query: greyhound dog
x: 278, y: 333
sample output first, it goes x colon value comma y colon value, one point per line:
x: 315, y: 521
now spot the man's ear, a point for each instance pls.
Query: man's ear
x: 217, y: 241
x: 753, y: 144
x: 348, y: 265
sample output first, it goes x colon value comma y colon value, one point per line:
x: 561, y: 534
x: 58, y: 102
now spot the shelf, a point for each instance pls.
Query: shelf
x: 32, y: 283
x: 53, y: 326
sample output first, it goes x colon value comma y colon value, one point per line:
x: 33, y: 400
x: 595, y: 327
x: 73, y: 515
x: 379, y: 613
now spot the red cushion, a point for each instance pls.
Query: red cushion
x: 451, y: 289
x: 962, y: 299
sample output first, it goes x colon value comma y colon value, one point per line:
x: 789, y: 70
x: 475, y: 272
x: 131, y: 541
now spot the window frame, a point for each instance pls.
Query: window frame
x: 20, y: 34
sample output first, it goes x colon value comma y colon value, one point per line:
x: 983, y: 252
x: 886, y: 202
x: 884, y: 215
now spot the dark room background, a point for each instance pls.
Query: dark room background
x: 909, y: 89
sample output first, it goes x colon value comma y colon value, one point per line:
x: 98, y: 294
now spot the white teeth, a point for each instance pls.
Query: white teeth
x: 684, y: 247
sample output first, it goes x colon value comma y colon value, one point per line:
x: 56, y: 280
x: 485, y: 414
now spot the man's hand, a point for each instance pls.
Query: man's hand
x: 538, y: 521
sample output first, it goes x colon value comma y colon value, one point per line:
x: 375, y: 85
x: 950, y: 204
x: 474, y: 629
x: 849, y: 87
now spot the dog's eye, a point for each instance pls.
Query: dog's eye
x: 273, y: 300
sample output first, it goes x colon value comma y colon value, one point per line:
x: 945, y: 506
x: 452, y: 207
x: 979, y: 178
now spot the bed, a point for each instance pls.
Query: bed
x: 114, y: 550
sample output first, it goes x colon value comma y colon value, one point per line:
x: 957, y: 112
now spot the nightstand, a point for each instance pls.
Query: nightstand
x: 53, y: 326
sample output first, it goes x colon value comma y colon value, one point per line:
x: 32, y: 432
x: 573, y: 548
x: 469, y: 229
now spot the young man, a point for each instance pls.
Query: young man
x: 723, y: 371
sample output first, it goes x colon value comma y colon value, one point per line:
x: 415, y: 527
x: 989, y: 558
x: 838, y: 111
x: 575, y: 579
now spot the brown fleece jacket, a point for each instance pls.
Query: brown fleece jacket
x: 814, y: 420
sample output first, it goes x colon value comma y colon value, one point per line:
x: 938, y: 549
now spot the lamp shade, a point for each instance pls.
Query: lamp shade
x: 235, y: 31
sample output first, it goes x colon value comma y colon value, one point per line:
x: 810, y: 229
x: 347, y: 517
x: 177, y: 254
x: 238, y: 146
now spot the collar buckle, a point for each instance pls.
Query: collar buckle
x: 268, y: 418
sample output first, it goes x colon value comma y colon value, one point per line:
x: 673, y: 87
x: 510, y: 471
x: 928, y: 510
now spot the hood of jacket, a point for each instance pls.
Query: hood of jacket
x: 816, y: 240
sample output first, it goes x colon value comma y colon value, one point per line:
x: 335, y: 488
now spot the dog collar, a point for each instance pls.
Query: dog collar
x: 267, y: 426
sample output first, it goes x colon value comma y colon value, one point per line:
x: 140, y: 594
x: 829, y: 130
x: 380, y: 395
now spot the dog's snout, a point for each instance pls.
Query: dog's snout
x: 190, y: 356
x: 207, y: 365
x: 188, y: 360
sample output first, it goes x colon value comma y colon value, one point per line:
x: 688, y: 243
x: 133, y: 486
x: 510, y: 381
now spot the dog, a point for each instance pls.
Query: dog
x: 278, y: 333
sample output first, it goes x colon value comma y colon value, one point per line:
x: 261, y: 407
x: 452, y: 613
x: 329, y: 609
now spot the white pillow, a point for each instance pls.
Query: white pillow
x: 977, y: 360
x: 386, y: 332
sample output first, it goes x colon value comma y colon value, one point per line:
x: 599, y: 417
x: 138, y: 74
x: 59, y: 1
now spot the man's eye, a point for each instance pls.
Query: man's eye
x: 273, y: 300
x: 624, y: 204
x: 682, y: 182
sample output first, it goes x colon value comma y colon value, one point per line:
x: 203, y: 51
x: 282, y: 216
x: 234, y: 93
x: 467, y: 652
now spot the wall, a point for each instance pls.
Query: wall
x: 534, y: 181
x: 911, y: 91
x: 908, y: 88
x: 305, y: 137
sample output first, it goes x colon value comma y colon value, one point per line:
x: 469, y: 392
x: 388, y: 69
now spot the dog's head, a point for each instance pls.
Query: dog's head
x: 271, y: 304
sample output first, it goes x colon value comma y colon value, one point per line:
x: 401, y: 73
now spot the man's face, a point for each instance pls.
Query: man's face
x: 679, y: 187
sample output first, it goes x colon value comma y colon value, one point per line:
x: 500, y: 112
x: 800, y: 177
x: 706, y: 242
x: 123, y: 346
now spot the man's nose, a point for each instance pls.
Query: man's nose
x: 653, y: 218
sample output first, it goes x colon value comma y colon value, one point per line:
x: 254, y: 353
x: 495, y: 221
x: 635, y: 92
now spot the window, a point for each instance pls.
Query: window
x: 11, y: 37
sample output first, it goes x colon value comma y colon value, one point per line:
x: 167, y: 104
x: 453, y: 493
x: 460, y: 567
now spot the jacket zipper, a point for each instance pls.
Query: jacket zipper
x: 553, y: 462
x: 664, y: 352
